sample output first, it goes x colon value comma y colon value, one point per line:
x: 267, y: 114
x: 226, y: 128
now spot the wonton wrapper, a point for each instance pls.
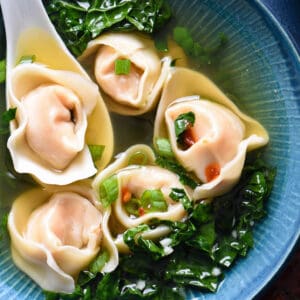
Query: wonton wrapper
x: 42, y: 242
x: 25, y: 81
x: 136, y: 92
x: 150, y: 177
x: 181, y: 87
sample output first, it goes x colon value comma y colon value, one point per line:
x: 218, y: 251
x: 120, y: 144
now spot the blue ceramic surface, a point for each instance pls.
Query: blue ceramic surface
x: 265, y: 69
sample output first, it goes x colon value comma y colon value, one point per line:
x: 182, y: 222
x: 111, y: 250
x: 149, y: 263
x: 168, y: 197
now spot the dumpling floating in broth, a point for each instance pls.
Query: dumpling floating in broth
x: 57, y: 113
x: 210, y: 142
x: 141, y: 191
x: 57, y: 233
x: 136, y: 90
x: 209, y: 138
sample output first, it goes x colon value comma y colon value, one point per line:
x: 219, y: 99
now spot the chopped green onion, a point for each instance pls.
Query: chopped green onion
x: 138, y: 158
x: 9, y: 115
x: 2, y: 70
x: 132, y: 207
x: 122, y: 66
x: 109, y: 190
x: 180, y: 34
x: 164, y: 148
x: 27, y: 59
x: 151, y: 201
x: 183, y: 122
x: 154, y: 201
x: 96, y: 151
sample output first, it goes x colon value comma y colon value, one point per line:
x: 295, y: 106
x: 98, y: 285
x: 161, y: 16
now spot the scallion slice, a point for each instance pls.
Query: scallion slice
x: 122, y: 66
x: 109, y: 190
x: 27, y: 59
x: 132, y: 207
x: 2, y: 70
x: 96, y: 151
x: 138, y: 158
x: 153, y: 201
x: 164, y: 148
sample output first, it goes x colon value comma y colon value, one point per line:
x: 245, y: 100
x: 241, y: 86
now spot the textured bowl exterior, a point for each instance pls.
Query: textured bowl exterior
x: 266, y: 71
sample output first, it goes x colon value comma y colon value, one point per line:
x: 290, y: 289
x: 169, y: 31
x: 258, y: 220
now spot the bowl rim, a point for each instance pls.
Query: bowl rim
x: 284, y: 40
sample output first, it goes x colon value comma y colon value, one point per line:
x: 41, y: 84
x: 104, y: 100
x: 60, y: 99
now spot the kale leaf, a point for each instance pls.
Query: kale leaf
x: 212, y: 237
x: 78, y: 22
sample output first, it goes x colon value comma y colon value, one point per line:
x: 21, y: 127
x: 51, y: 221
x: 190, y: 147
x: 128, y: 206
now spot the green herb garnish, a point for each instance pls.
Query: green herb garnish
x: 3, y: 226
x: 183, y: 123
x: 2, y: 70
x: 96, y: 151
x: 196, y: 251
x: 172, y: 165
x: 138, y: 158
x: 122, y: 66
x: 164, y: 148
x: 150, y: 201
x: 78, y: 24
x: 153, y: 201
x: 6, y: 117
x: 132, y: 206
x: 98, y: 263
x: 109, y: 190
x: 27, y: 59
x: 179, y: 195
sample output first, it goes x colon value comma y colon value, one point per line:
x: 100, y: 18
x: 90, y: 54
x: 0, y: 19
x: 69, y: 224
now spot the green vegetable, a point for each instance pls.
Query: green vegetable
x: 193, y: 270
x: 96, y: 151
x: 207, y: 59
x: 2, y: 70
x: 6, y: 117
x: 166, y: 159
x: 99, y: 262
x: 108, y: 287
x: 109, y: 190
x: 153, y: 201
x: 134, y: 240
x: 164, y: 148
x: 138, y: 158
x: 122, y: 66
x: 27, y: 59
x: 9, y: 115
x: 202, y: 56
x: 184, y: 122
x: 204, y: 245
x: 132, y: 207
x: 78, y: 24
x: 180, y: 195
x: 174, y: 166
x: 3, y: 226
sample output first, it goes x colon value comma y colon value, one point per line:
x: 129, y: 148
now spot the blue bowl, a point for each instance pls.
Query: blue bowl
x: 265, y: 69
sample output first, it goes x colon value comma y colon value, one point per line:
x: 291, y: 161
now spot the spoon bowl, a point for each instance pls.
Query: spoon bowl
x: 29, y: 32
